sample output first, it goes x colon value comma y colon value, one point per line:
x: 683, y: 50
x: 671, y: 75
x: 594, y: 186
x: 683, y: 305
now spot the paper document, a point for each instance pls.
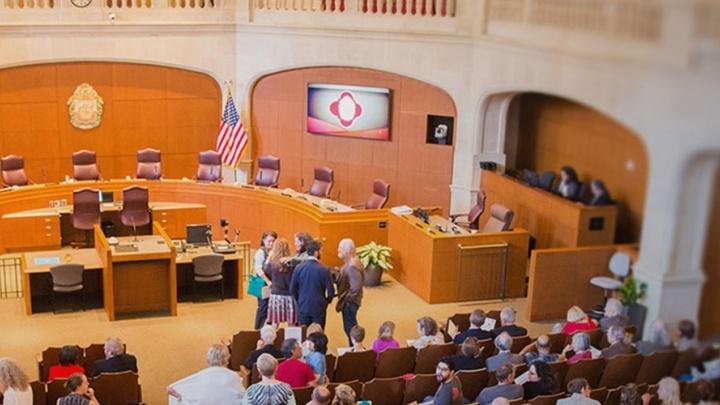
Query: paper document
x: 452, y: 329
x: 595, y: 352
x: 343, y: 350
x: 410, y: 342
x: 49, y: 260
x: 522, y: 378
x: 293, y: 332
x: 488, y: 325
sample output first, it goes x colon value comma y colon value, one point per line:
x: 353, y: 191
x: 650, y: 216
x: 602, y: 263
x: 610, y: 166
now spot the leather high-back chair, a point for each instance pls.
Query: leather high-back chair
x: 86, y: 211
x: 500, y: 219
x: 268, y: 171
x: 136, y: 210
x: 477, y: 210
x: 13, y: 171
x: 209, y: 166
x: 322, y: 182
x: 85, y: 165
x: 148, y: 164
x: 379, y: 197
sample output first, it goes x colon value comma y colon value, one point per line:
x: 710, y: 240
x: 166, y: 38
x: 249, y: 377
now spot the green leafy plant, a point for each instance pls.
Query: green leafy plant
x: 631, y: 292
x: 376, y: 254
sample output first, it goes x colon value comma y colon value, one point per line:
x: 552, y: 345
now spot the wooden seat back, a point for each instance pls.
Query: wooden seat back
x: 396, y: 362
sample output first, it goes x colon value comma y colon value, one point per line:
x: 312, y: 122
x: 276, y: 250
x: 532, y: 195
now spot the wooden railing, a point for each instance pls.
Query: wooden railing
x: 442, y: 8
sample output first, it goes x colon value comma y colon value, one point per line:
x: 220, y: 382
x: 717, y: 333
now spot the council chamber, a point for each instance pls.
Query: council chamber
x: 359, y: 201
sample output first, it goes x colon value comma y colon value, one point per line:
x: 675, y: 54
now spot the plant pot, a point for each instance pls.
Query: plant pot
x: 373, y: 275
x: 636, y: 313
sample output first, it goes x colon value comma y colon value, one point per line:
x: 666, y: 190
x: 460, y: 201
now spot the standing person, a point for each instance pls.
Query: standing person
x: 261, y: 255
x: 312, y: 287
x: 14, y: 383
x: 282, y: 305
x: 80, y: 391
x: 349, y: 281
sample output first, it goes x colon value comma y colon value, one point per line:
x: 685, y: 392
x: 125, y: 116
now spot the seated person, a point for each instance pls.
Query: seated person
x: 450, y: 389
x: 80, y: 392
x: 503, y: 344
x: 541, y: 381
x: 539, y: 351
x: 613, y: 315
x: 344, y: 395
x: 469, y: 357
x: 312, y: 328
x: 686, y: 332
x: 569, y: 185
x: 505, y: 387
x: 318, y: 343
x: 216, y: 384
x: 616, y: 338
x: 578, y: 349
x: 659, y: 339
x: 477, y: 319
x: 577, y: 320
x: 385, y: 338
x: 507, y: 324
x: 269, y: 390
x: 266, y: 344
x: 294, y: 371
x: 428, y: 330
x: 320, y: 396
x: 579, y: 391
x: 115, y: 358
x: 68, y: 364
x: 600, y: 195
x: 357, y: 335
x: 630, y: 395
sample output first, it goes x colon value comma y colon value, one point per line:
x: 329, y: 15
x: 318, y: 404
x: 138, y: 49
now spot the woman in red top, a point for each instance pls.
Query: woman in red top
x: 578, y: 349
x: 577, y: 321
x: 68, y: 364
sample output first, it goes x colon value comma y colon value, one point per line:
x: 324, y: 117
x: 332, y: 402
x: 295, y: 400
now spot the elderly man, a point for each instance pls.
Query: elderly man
x: 312, y: 287
x: 539, y: 351
x: 579, y: 390
x: 477, y: 319
x: 505, y: 387
x: 503, y: 343
x: 266, y: 344
x: 215, y: 385
x: 115, y: 358
x: 320, y: 396
x: 349, y: 280
x: 294, y: 371
x: 507, y: 324
x: 616, y: 338
x: 613, y: 315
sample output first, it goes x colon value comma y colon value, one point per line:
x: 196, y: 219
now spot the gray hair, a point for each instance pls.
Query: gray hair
x: 581, y: 341
x: 267, y: 364
x: 503, y: 341
x: 617, y: 333
x: 660, y: 335
x: 114, y: 346
x: 347, y: 245
x: 500, y: 401
x: 12, y: 376
x: 268, y: 334
x: 477, y: 317
x: 613, y: 307
x: 507, y: 315
x: 218, y: 355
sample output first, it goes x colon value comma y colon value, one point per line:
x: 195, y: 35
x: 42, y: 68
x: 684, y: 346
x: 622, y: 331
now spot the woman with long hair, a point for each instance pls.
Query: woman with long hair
x: 282, y: 307
x: 568, y: 186
x: 261, y: 255
x: 541, y: 381
x: 14, y: 383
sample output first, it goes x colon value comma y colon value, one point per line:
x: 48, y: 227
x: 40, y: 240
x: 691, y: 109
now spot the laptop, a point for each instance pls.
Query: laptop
x: 197, y: 234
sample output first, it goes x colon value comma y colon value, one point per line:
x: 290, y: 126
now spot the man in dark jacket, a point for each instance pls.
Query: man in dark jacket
x: 312, y: 287
x: 115, y: 358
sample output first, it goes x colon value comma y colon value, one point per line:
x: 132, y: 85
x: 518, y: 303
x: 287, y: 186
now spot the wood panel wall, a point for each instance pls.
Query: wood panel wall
x: 555, y: 132
x: 709, y: 314
x: 173, y: 110
x: 419, y: 174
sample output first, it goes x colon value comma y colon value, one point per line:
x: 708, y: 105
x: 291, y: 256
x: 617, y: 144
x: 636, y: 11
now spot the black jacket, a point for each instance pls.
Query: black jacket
x: 122, y: 362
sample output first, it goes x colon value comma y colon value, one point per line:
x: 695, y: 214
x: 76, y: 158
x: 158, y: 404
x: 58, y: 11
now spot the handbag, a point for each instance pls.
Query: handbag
x: 255, y: 286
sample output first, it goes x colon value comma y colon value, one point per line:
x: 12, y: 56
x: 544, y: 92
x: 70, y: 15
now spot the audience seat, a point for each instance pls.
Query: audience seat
x: 148, y: 164
x: 599, y: 394
x: 50, y: 357
x: 117, y: 388
x: 595, y: 336
x: 303, y: 395
x: 519, y: 343
x: 268, y: 172
x: 39, y: 393
x: 560, y: 369
x: 396, y: 362
x: 620, y: 370
x: 473, y: 381
x: 546, y: 399
x: 613, y: 396
x: 487, y: 347
x: 428, y: 357
x: 383, y: 391
x: 330, y: 362
x: 683, y: 363
x: 242, y: 344
x: 93, y: 353
x: 419, y: 387
x: 462, y: 321
x: 558, y: 341
x: 13, y: 171
x: 590, y: 369
x: 656, y: 366
x: 500, y: 219
x: 56, y: 390
x: 355, y: 366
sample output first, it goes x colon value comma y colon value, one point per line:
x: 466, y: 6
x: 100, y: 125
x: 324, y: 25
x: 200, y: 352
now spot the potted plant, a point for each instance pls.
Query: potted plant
x: 375, y: 258
x: 631, y: 292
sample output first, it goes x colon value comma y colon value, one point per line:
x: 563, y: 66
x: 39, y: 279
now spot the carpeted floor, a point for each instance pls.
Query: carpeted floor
x: 169, y: 348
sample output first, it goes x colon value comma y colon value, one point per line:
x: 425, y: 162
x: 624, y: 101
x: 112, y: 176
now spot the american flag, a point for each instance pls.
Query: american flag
x: 232, y: 138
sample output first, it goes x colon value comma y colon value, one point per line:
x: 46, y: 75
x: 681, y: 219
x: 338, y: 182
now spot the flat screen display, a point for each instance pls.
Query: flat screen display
x: 197, y: 234
x: 349, y: 111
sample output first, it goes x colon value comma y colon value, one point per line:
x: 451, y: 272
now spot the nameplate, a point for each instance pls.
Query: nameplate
x: 45, y: 261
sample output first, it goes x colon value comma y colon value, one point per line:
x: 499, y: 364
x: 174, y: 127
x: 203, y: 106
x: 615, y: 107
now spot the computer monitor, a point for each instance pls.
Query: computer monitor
x: 105, y: 196
x: 197, y: 234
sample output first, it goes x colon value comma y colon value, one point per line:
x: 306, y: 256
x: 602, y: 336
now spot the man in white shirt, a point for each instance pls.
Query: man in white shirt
x: 215, y: 385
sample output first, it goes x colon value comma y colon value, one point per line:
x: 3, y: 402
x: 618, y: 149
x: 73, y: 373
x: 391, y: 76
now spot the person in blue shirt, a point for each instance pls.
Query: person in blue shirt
x: 312, y: 287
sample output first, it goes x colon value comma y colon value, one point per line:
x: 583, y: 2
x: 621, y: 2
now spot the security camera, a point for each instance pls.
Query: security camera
x: 441, y: 131
x: 111, y: 17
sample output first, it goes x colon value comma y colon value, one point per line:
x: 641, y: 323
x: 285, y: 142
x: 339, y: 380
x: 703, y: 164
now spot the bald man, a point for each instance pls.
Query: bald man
x: 349, y: 280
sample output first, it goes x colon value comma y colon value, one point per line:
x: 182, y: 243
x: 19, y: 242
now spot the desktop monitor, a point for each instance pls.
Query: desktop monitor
x: 197, y: 234
x: 105, y: 196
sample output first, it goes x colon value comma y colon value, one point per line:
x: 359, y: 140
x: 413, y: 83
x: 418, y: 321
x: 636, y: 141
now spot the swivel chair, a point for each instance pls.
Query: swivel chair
x: 85, y: 165
x: 148, y: 164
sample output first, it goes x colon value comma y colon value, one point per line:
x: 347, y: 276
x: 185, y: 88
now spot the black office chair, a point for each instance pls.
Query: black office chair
x: 67, y: 279
x: 546, y: 180
x: 208, y: 269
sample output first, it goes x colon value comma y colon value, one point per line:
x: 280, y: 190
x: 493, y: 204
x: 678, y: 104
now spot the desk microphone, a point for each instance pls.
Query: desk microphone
x: 225, y: 223
x: 208, y: 236
x: 237, y: 234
